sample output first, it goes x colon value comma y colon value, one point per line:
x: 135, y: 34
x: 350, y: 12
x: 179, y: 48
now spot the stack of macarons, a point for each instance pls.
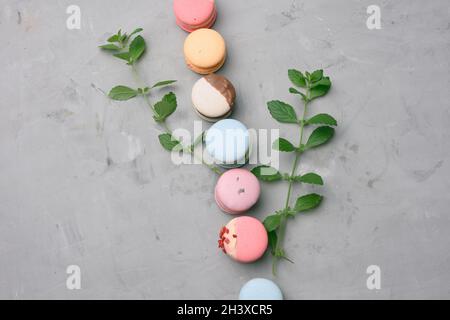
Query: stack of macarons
x: 227, y: 142
x: 204, y: 48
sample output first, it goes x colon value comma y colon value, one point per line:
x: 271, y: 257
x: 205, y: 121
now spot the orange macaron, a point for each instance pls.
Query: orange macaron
x: 204, y: 51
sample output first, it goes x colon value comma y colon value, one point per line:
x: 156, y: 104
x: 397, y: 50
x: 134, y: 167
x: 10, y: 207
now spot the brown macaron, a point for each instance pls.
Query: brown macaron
x: 213, y: 97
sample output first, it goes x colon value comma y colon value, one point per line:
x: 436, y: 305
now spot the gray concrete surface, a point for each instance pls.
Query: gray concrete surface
x: 84, y: 180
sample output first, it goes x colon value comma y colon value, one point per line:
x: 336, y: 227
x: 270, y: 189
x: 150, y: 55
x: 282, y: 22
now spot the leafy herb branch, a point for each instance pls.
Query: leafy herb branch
x: 313, y: 86
x: 130, y: 48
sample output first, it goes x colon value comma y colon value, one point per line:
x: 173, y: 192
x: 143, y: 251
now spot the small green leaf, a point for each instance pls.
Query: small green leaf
x: 113, y: 38
x: 163, y: 83
x: 168, y: 141
x: 165, y: 107
x: 322, y: 82
x: 272, y: 237
x: 122, y: 93
x: 282, y: 112
x: 266, y: 173
x: 284, y: 145
x: 322, y: 118
x: 307, y: 202
x: 110, y: 47
x: 312, y: 178
x: 295, y: 91
x: 316, y: 75
x: 123, y: 55
x: 272, y: 222
x: 319, y: 136
x: 297, y: 78
x: 137, y: 48
x: 135, y: 31
x: 123, y: 38
x: 320, y: 88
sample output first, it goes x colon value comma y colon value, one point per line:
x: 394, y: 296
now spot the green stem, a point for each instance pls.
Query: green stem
x: 210, y: 166
x: 282, y: 228
x: 141, y: 84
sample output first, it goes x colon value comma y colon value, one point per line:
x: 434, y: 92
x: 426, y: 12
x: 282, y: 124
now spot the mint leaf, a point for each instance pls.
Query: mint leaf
x: 123, y: 55
x: 266, y: 173
x: 282, y: 112
x: 297, y: 78
x: 168, y: 141
x: 123, y: 39
x: 163, y: 83
x: 295, y: 91
x: 312, y: 178
x: 122, y: 93
x: 135, y: 31
x: 284, y: 145
x: 319, y: 136
x: 272, y: 222
x: 322, y: 118
x: 110, y: 47
x: 316, y: 75
x: 165, y: 107
x: 113, y: 38
x: 272, y: 237
x: 320, y: 88
x: 307, y: 202
x: 137, y: 48
x: 322, y: 82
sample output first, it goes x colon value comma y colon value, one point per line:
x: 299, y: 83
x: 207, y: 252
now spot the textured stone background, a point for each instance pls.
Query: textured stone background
x: 84, y: 180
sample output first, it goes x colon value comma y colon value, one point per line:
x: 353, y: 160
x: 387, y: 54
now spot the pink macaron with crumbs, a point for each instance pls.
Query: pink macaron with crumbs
x: 191, y: 15
x: 237, y: 190
x: 244, y: 239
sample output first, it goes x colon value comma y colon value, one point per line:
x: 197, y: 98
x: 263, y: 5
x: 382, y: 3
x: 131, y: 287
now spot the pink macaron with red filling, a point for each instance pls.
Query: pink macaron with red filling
x: 244, y: 239
x: 191, y: 15
x: 237, y: 190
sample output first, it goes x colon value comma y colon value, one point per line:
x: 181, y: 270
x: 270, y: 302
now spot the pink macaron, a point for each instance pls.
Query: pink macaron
x: 191, y: 15
x: 244, y: 239
x: 237, y: 190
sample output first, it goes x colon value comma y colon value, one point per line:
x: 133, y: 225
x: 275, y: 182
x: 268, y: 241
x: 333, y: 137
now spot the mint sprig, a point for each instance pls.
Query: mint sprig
x: 131, y: 48
x: 309, y: 86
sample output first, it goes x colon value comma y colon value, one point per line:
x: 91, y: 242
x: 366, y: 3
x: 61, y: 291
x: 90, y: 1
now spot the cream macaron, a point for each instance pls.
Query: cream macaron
x: 213, y: 97
x: 204, y: 51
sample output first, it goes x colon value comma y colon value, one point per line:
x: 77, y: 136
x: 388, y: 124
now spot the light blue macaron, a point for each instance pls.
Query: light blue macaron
x: 227, y: 142
x: 260, y: 289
